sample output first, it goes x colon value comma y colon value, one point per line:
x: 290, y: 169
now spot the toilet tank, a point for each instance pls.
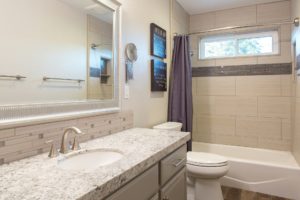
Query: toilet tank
x: 171, y: 126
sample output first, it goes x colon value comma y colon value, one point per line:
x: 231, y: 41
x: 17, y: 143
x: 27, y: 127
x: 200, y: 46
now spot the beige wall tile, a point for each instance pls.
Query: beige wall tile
x: 216, y: 86
x: 202, y: 22
x: 194, y: 42
x: 237, y: 140
x: 273, y: 12
x: 285, y: 33
x: 196, y: 62
x: 260, y: 127
x: 205, y: 105
x: 236, y: 17
x: 237, y: 106
x: 286, y: 129
x: 204, y: 137
x: 217, y: 125
x: 258, y: 86
x: 286, y: 85
x: 283, y: 145
x: 284, y: 57
x: 237, y: 61
x: 278, y: 107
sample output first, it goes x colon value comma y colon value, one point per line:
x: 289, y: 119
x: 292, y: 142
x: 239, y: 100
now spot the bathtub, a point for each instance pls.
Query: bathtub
x: 265, y: 171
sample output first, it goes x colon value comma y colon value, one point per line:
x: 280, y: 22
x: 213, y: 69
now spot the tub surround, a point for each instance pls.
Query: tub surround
x: 245, y: 110
x: 40, y: 177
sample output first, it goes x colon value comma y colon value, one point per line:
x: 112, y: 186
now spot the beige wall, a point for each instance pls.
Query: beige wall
x: 149, y: 108
x: 252, y: 111
x: 296, y: 100
x: 40, y: 38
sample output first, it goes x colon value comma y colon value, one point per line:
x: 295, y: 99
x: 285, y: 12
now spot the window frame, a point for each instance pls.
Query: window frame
x: 250, y: 35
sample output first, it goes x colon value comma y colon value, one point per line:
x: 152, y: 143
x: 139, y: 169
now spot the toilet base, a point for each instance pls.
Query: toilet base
x: 204, y: 189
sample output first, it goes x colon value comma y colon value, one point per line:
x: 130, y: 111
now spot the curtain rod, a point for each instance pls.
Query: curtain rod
x: 295, y: 22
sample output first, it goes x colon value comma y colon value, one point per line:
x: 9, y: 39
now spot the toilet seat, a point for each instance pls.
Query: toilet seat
x: 206, y: 159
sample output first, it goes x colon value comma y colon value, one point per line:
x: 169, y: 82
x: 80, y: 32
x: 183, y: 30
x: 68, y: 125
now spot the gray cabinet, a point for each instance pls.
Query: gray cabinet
x: 144, y: 187
x: 164, y: 181
x: 176, y: 188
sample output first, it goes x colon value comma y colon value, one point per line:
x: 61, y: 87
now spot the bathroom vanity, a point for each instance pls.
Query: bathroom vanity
x: 152, y: 167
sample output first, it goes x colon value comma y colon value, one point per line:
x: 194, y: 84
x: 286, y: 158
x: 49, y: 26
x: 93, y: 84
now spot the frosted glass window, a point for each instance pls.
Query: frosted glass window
x: 253, y: 44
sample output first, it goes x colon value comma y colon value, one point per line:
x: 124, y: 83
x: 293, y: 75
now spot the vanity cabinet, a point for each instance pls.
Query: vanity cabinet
x: 166, y: 180
x: 141, y: 188
x: 176, y: 188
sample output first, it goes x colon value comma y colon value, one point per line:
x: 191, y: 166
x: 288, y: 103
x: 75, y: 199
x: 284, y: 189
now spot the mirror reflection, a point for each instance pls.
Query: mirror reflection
x: 63, y: 51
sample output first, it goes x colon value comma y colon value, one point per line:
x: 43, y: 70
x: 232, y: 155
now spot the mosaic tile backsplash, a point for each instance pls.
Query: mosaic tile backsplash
x: 22, y: 142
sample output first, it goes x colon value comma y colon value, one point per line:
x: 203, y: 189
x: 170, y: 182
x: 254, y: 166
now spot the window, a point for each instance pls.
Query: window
x: 251, y: 44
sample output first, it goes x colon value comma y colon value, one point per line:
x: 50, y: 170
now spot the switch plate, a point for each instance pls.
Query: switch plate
x: 126, y: 92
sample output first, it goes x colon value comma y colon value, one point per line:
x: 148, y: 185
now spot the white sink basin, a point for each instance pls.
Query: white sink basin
x: 89, y: 160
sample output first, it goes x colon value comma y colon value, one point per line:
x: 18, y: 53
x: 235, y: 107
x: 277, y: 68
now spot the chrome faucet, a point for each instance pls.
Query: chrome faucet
x: 64, y: 146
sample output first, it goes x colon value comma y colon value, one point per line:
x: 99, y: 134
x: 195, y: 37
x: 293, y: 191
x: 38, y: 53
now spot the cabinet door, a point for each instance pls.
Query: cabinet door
x: 176, y: 188
x: 141, y: 188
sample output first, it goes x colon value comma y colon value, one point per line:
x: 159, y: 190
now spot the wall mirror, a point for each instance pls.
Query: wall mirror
x: 58, y: 58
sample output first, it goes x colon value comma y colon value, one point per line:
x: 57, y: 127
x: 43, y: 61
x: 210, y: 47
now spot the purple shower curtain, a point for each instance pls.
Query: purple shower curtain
x: 180, y: 108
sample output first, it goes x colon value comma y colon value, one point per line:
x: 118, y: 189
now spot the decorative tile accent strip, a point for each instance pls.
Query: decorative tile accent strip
x: 22, y: 142
x: 238, y: 194
x: 243, y: 70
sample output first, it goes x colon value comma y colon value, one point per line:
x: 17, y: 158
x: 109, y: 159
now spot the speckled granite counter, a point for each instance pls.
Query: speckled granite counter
x: 39, y: 177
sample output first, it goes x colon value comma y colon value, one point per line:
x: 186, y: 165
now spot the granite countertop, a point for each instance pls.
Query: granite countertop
x: 39, y: 177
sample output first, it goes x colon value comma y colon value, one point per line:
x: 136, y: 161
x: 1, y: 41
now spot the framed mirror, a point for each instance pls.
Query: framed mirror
x: 60, y: 61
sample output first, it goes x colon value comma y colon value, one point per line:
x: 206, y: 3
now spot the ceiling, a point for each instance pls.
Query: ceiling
x: 92, y: 7
x: 203, y: 6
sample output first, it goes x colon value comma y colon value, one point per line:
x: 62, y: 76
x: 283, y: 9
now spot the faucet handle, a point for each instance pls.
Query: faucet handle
x: 53, y: 151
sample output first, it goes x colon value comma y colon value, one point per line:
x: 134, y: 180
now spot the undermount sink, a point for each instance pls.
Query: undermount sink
x: 89, y: 160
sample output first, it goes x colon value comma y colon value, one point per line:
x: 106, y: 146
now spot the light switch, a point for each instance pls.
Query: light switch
x: 126, y: 91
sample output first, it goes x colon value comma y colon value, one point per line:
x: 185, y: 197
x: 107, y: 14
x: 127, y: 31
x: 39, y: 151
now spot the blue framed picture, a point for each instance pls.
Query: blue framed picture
x: 158, y: 75
x: 158, y: 38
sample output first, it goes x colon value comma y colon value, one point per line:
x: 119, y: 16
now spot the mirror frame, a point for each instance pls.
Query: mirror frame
x: 27, y: 114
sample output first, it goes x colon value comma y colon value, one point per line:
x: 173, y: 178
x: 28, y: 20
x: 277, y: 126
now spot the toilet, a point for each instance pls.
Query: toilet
x: 203, y: 170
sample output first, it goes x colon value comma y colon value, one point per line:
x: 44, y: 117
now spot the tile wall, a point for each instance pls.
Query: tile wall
x: 22, y: 142
x: 253, y: 111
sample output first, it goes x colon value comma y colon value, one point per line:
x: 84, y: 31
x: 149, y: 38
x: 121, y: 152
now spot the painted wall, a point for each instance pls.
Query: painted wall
x: 252, y: 111
x: 40, y: 38
x: 149, y: 108
x: 296, y: 100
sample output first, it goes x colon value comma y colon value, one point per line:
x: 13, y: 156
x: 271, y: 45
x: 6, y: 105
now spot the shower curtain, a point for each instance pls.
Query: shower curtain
x: 180, y: 108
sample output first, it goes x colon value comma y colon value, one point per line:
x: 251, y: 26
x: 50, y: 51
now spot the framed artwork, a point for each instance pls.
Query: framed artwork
x: 158, y: 75
x: 158, y: 38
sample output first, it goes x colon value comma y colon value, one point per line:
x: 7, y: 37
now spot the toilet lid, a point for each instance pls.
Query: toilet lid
x: 206, y: 159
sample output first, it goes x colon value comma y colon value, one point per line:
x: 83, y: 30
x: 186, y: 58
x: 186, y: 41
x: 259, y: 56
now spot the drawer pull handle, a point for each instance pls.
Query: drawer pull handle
x: 179, y: 162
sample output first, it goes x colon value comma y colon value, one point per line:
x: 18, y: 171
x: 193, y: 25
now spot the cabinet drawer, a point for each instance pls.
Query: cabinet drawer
x: 175, y: 189
x: 143, y: 187
x: 172, y: 164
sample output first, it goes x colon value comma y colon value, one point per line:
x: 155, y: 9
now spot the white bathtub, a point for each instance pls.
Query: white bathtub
x: 266, y: 171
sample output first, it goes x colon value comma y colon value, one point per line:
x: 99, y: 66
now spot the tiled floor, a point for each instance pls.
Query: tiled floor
x: 237, y: 194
